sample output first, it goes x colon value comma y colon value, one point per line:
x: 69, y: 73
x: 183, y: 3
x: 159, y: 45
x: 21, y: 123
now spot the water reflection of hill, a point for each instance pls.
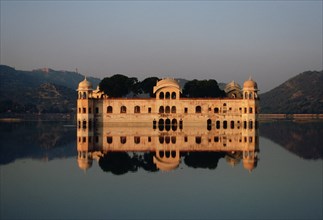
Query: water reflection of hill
x: 301, y: 138
x: 38, y: 140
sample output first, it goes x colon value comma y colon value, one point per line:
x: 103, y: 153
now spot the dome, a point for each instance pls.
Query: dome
x: 84, y: 164
x: 166, y: 164
x: 250, y: 84
x: 85, y: 85
x: 167, y: 82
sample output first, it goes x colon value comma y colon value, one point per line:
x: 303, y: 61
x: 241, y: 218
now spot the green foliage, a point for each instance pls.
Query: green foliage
x: 118, y: 85
x: 202, y: 89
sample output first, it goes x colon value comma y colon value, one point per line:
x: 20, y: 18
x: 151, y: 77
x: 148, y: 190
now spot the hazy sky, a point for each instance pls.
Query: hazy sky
x: 271, y: 40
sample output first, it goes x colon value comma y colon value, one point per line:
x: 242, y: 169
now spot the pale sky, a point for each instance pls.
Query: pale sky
x: 270, y: 40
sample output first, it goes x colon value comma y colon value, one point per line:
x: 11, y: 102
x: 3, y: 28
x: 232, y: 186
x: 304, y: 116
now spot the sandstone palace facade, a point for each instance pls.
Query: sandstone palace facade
x: 168, y: 124
x: 238, y: 109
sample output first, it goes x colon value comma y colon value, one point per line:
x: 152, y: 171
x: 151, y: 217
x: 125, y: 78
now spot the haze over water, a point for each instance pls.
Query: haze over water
x: 270, y: 40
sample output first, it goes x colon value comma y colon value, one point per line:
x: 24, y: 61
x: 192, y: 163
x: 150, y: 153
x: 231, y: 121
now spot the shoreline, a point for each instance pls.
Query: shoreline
x: 13, y: 117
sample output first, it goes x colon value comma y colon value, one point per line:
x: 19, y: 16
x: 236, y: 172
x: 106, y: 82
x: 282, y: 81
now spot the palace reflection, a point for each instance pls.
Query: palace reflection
x: 155, y: 148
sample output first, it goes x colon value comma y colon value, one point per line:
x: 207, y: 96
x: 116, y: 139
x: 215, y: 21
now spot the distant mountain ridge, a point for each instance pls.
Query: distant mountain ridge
x: 39, y: 91
x: 298, y: 95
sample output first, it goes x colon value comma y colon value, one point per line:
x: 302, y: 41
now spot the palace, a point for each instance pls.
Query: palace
x: 238, y: 109
x: 168, y: 124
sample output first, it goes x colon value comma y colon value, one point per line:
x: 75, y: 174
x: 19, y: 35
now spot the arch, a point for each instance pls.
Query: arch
x: 217, y: 124
x: 84, y: 124
x: 198, y: 139
x: 225, y: 124
x: 167, y: 109
x: 137, y: 109
x: 161, y: 124
x: 167, y: 96
x: 244, y: 125
x: 167, y: 154
x: 136, y: 139
x: 161, y: 153
x: 167, y: 139
x: 154, y: 124
x: 173, y: 95
x: 209, y: 124
x: 167, y: 124
x: 161, y: 109
x: 174, y: 124
x: 161, y: 139
x: 250, y: 124
x: 173, y: 109
x: 84, y: 95
x: 232, y: 124
x: 250, y: 95
x: 216, y: 110
x: 123, y: 139
x: 198, y: 109
x: 109, y: 109
x: 173, y: 139
x: 173, y: 154
x: 161, y: 95
x: 123, y: 109
x: 109, y: 139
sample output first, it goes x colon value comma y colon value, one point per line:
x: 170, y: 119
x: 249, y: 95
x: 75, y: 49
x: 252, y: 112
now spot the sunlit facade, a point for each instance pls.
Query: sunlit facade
x: 168, y: 125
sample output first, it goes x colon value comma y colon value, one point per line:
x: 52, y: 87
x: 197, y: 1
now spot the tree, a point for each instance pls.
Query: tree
x: 118, y: 85
x: 147, y: 85
x: 202, y: 89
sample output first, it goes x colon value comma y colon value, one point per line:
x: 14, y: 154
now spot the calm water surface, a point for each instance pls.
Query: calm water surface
x: 41, y: 178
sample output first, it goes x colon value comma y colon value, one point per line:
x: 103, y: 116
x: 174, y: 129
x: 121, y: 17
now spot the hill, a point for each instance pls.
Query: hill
x: 298, y: 95
x: 39, y: 91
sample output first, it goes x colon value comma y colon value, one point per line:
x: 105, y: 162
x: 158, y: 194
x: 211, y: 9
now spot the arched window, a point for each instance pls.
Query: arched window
x: 109, y: 140
x: 245, y: 95
x: 173, y: 109
x: 167, y: 109
x: 161, y: 95
x: 167, y: 96
x: 216, y: 110
x: 244, y: 124
x: 84, y: 124
x: 123, y: 139
x: 198, y: 109
x: 173, y: 140
x: 161, y: 109
x: 161, y: 124
x: 84, y: 95
x: 173, y: 95
x: 225, y: 124
x: 232, y: 124
x: 217, y: 124
x: 137, y: 139
x: 137, y: 109
x: 161, y: 139
x: 109, y: 109
x: 80, y: 95
x: 167, y: 139
x: 250, y: 95
x: 123, y: 109
x: 250, y: 125
x: 198, y: 139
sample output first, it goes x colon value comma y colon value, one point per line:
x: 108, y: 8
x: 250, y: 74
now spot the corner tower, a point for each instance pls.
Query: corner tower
x: 85, y: 117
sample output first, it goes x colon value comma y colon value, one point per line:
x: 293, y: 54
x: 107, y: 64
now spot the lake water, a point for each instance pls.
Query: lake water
x: 42, y: 176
